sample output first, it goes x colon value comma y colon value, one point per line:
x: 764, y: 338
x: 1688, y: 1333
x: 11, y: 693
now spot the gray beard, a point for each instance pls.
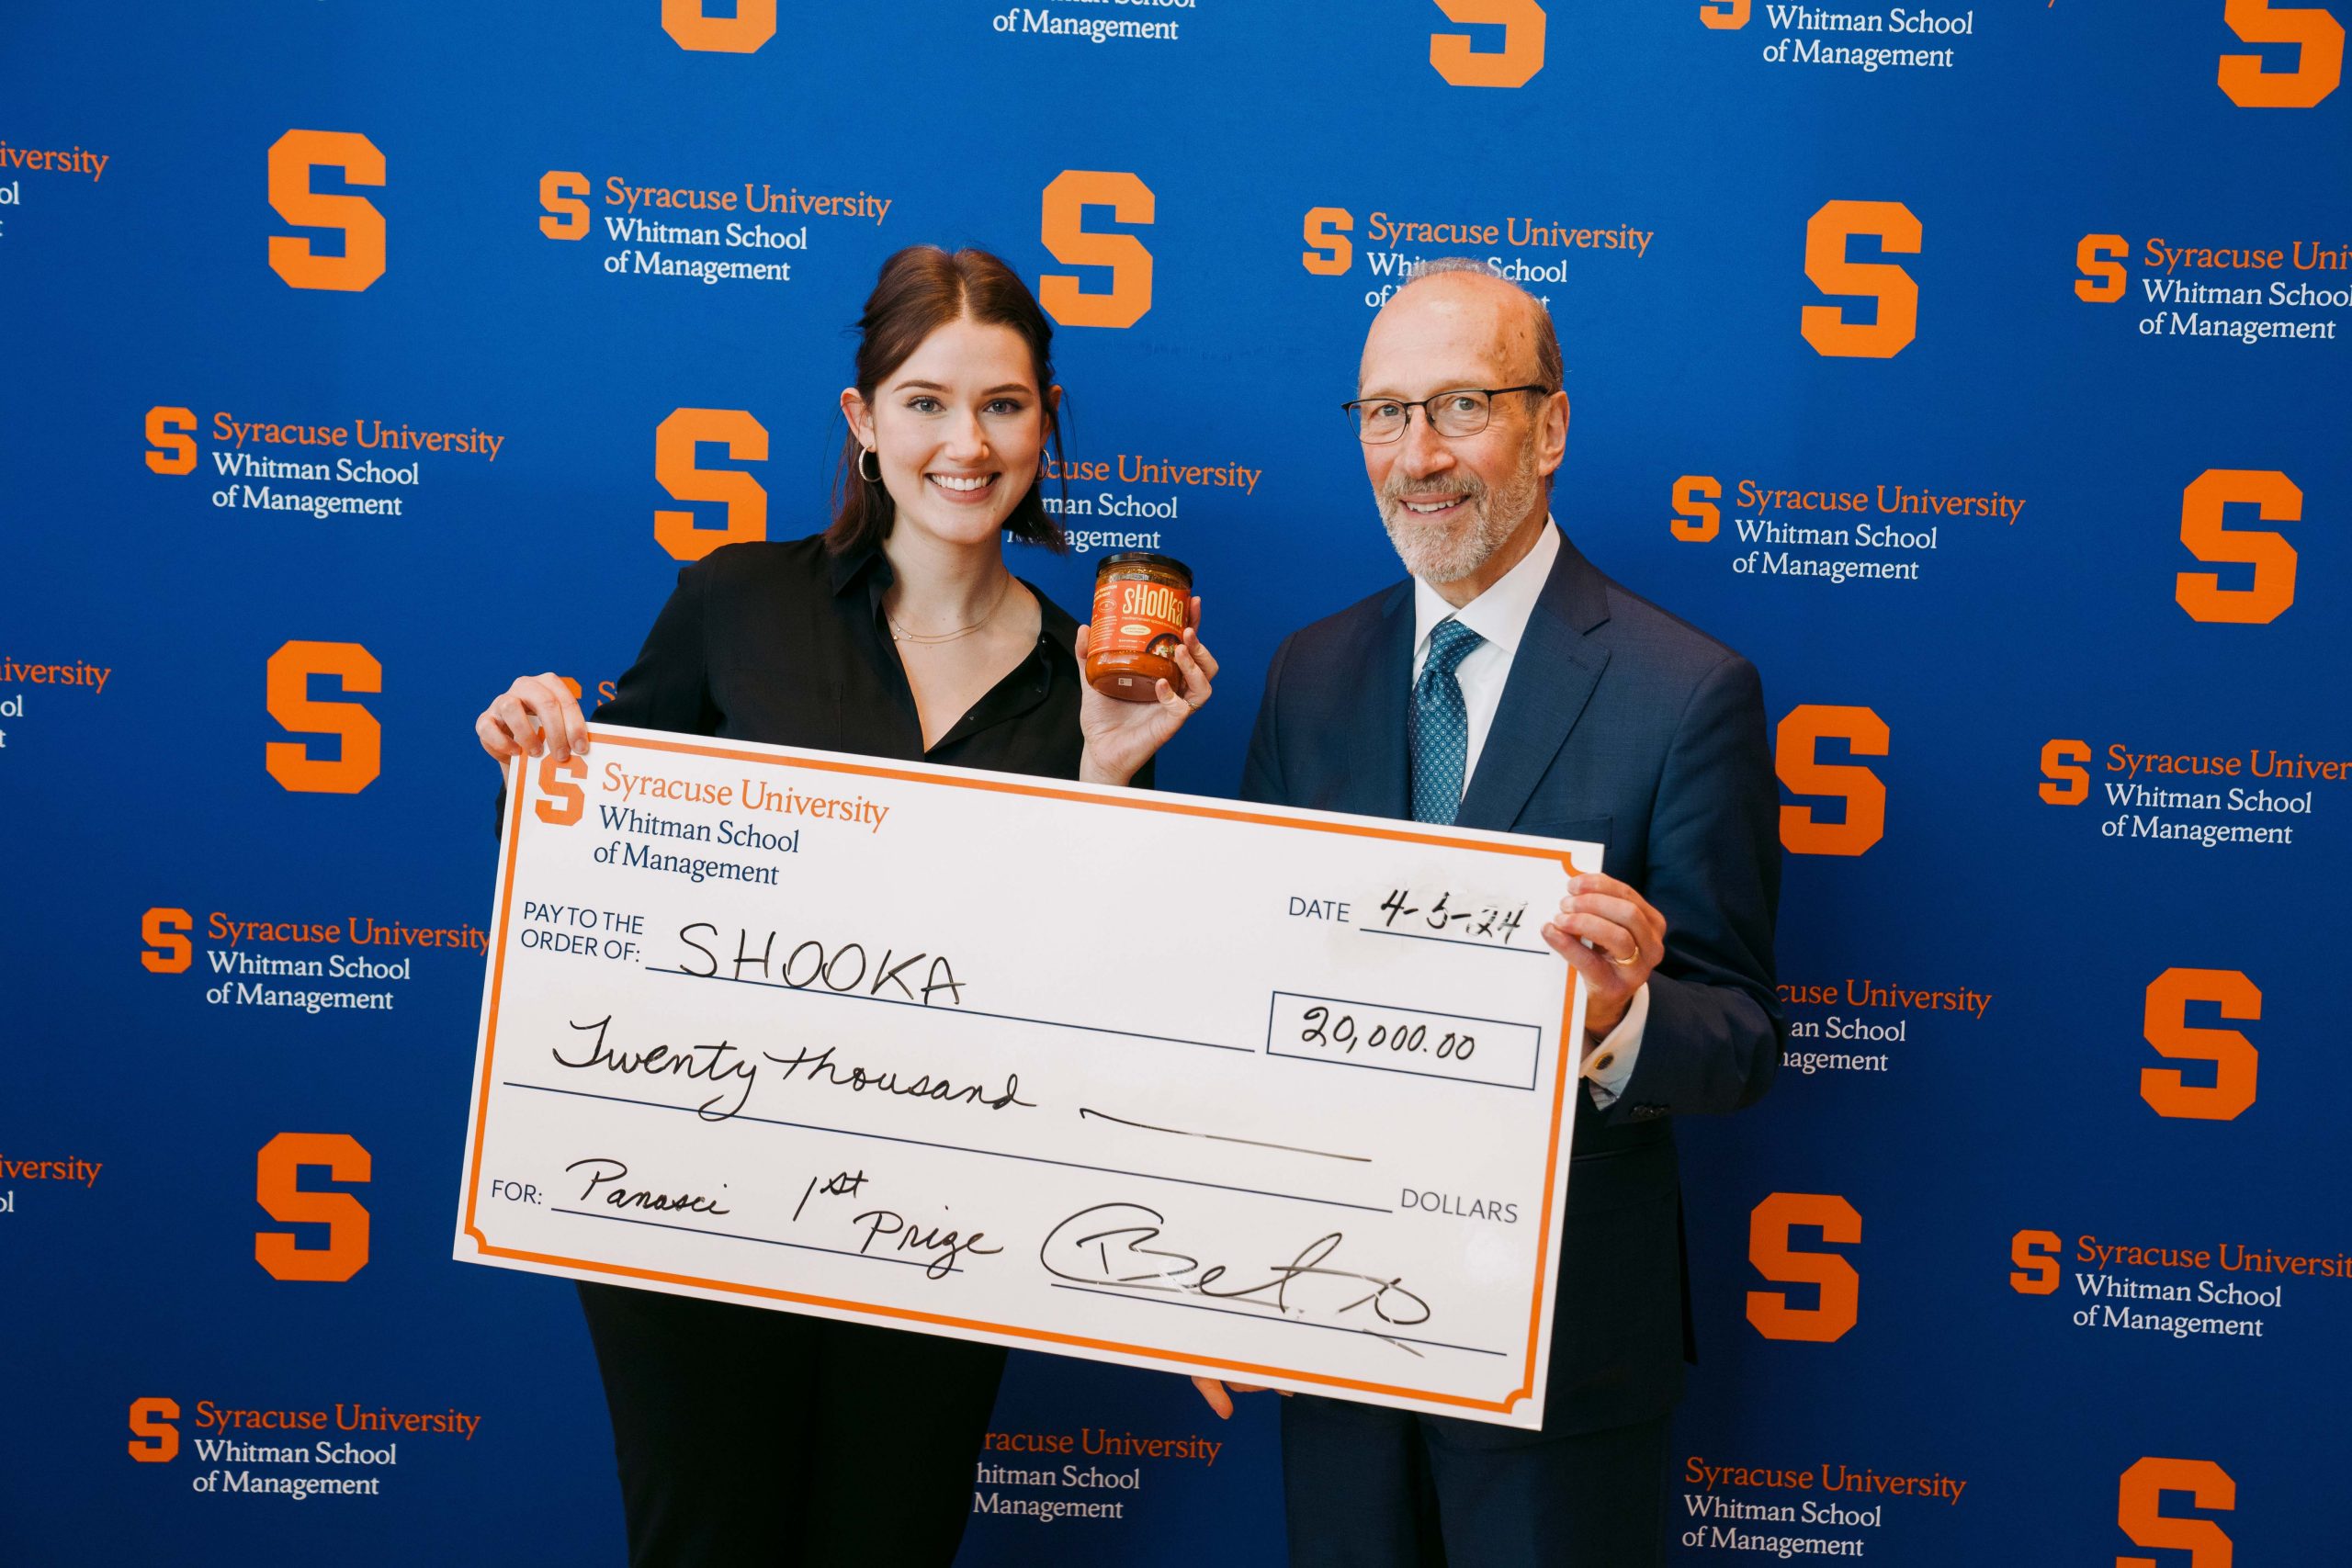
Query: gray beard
x: 1450, y: 556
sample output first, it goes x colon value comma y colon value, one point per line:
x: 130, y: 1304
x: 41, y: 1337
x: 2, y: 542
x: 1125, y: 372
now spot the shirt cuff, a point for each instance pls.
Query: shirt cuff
x: 1608, y: 1064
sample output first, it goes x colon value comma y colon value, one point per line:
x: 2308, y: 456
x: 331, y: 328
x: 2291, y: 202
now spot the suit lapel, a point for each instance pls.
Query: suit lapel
x: 1552, y: 678
x: 1375, y: 784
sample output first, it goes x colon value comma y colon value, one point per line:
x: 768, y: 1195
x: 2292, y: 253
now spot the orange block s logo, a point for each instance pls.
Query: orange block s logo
x: 746, y: 499
x: 277, y: 1189
x: 2065, y: 782
x: 1695, y: 521
x: 690, y: 24
x: 562, y: 803
x: 1794, y: 759
x: 168, y: 950
x: 2319, y: 67
x: 1513, y: 65
x: 290, y: 761
x: 2036, y: 1254
x: 1063, y: 229
x: 1768, y: 1227
x: 560, y: 193
x: 1331, y: 252
x: 170, y: 436
x: 2099, y: 258
x: 1825, y: 326
x: 154, y: 1438
x: 291, y: 159
x: 2165, y: 1023
x: 1724, y: 15
x: 2273, y: 558
x: 2139, y: 1509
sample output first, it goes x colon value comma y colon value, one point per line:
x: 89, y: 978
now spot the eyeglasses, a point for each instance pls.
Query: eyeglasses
x: 1462, y: 411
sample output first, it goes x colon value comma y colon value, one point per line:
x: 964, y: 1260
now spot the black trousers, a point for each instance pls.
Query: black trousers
x: 1368, y: 1487
x: 749, y: 1439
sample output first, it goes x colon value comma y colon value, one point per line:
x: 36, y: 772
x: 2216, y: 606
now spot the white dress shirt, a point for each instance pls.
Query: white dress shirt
x: 1500, y: 617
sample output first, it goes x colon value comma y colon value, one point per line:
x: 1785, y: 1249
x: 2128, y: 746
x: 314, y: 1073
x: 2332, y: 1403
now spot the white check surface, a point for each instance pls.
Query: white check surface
x: 1276, y: 1096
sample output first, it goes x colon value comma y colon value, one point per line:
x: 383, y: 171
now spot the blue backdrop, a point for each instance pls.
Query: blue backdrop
x: 2058, y: 920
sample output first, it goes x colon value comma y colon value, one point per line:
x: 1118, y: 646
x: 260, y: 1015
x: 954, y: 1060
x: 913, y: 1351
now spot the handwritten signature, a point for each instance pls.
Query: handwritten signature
x: 1110, y: 1243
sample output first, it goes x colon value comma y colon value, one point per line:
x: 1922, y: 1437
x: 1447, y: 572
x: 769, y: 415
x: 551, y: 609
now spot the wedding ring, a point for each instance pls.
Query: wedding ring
x: 1626, y: 963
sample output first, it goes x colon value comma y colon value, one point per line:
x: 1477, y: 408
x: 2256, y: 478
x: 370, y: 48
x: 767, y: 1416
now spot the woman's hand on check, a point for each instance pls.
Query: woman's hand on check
x: 537, y: 714
x: 1122, y: 736
x: 1220, y: 1394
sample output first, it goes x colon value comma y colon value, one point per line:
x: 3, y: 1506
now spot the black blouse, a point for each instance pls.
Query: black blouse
x: 786, y: 643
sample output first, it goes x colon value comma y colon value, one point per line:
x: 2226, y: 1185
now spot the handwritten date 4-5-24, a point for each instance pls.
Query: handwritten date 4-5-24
x: 1407, y: 910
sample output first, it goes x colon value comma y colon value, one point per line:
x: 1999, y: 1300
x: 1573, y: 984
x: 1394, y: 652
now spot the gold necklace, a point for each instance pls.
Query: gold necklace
x: 900, y: 634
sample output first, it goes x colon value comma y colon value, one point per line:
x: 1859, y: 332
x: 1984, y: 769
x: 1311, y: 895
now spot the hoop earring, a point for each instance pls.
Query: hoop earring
x: 876, y: 477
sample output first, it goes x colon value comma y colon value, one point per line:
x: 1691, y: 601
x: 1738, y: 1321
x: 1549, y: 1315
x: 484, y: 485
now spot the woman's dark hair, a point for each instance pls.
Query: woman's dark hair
x: 921, y: 290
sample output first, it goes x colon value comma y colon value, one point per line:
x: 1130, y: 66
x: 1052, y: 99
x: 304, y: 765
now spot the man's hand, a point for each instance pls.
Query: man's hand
x: 1614, y: 937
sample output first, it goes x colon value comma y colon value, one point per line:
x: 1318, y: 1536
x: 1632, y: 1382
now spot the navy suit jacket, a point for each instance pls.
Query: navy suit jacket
x: 1622, y: 725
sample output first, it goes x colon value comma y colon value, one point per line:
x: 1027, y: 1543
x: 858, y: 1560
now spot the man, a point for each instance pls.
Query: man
x: 1511, y: 685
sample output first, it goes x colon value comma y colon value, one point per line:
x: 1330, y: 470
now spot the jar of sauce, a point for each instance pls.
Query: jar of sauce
x: 1142, y: 603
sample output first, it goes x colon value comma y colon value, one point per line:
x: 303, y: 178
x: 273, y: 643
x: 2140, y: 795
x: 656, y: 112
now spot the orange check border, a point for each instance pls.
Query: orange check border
x: 1137, y: 800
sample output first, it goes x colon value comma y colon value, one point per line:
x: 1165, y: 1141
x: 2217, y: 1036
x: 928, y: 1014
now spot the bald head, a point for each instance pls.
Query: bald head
x: 1465, y: 307
x: 1461, y: 507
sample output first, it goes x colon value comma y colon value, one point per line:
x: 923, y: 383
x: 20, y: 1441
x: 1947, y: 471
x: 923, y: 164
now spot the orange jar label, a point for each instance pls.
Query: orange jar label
x: 1135, y: 614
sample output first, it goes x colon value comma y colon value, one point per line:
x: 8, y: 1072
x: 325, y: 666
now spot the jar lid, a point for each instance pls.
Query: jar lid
x: 1145, y: 559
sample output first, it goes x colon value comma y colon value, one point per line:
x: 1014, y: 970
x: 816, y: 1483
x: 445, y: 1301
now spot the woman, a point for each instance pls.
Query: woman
x: 752, y: 1436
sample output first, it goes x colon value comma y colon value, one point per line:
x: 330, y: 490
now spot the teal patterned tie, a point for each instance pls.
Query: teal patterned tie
x: 1441, y: 733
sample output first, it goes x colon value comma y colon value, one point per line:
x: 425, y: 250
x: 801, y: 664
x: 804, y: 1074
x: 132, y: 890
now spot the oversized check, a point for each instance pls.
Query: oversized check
x: 1281, y: 1096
